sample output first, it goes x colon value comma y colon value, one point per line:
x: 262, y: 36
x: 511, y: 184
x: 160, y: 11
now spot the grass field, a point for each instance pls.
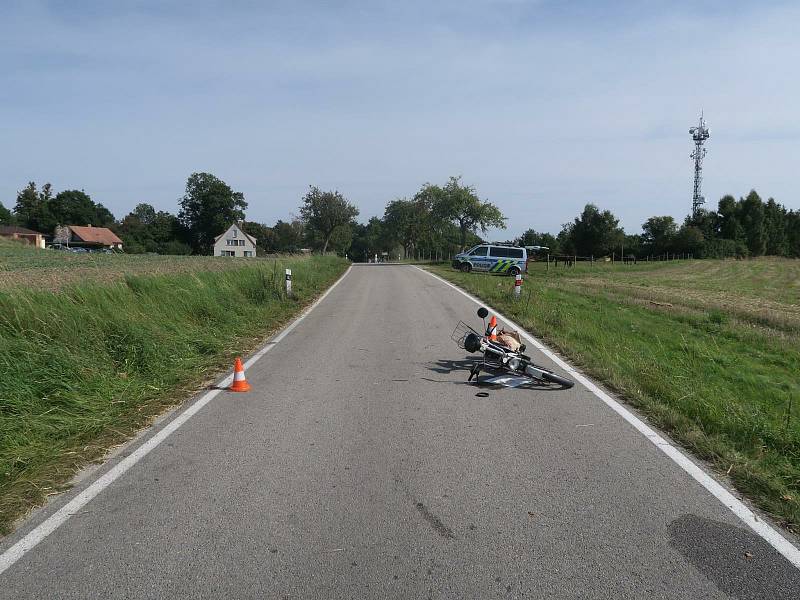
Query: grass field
x: 22, y: 265
x: 708, y: 350
x: 84, y: 367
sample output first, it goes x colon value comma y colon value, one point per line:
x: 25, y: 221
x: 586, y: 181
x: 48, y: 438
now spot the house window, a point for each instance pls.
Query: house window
x: 227, y: 253
x: 235, y: 233
x: 248, y: 253
x: 241, y: 242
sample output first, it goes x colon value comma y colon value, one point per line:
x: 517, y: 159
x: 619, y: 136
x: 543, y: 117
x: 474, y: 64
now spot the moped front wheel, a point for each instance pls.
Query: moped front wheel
x: 545, y: 375
x: 562, y: 381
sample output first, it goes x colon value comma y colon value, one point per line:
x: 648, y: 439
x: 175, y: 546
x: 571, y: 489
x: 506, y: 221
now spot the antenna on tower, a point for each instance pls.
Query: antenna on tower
x: 699, y: 134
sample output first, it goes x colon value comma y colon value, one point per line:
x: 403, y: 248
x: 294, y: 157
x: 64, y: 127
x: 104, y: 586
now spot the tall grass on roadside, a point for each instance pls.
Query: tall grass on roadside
x: 83, y: 368
x: 720, y: 386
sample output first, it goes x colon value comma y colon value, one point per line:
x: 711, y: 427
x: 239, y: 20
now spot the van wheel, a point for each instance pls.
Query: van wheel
x: 466, y: 267
x: 514, y: 271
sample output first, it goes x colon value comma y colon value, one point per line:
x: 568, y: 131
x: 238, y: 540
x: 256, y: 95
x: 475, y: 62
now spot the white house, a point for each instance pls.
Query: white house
x: 234, y: 242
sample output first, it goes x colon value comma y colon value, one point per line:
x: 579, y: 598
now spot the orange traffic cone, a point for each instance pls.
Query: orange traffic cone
x: 493, y: 329
x: 239, y: 382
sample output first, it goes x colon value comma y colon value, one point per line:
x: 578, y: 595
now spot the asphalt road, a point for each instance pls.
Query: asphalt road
x: 362, y: 465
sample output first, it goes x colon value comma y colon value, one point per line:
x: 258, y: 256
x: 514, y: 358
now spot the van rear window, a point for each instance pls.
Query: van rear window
x: 505, y: 252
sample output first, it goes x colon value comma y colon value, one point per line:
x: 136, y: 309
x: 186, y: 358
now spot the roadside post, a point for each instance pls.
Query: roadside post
x: 517, y: 286
x: 289, y: 282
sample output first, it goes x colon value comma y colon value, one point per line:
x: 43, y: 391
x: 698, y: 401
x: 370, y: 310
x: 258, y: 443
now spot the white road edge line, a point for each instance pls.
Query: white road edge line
x: 58, y: 518
x: 736, y: 506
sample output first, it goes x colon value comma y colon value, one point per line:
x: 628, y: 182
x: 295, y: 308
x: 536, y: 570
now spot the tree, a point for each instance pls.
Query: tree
x: 144, y: 214
x: 632, y: 245
x: 28, y: 202
x: 40, y: 211
x: 689, y: 239
x: 593, y: 233
x: 729, y: 226
x: 532, y: 238
x: 73, y: 207
x: 706, y: 221
x: 208, y: 207
x: 145, y: 230
x: 747, y: 227
x: 775, y: 228
x: 793, y: 233
x: 370, y: 239
x: 529, y: 238
x: 342, y: 239
x: 751, y: 211
x: 324, y: 212
x: 405, y: 222
x: 460, y: 205
x: 566, y: 241
x: 134, y: 231
x: 659, y: 234
x: 32, y: 207
x: 5, y: 216
x: 288, y: 236
x: 103, y: 217
x: 377, y: 240
x: 265, y: 237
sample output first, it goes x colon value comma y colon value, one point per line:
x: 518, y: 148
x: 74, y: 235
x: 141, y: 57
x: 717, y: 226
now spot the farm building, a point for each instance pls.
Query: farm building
x: 20, y: 233
x: 234, y: 242
x: 87, y: 237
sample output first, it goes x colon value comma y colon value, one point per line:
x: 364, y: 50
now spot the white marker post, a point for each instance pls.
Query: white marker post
x: 289, y: 282
x: 517, y: 286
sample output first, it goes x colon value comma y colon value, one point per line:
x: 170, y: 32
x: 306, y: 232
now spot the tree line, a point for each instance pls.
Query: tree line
x: 208, y: 207
x: 738, y: 228
x: 438, y: 218
x: 436, y: 222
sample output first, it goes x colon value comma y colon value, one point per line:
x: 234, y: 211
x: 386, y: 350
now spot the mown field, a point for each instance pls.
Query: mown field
x: 708, y: 350
x: 87, y: 360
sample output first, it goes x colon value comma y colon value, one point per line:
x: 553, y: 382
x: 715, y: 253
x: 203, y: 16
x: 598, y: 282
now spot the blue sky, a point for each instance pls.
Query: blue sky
x: 542, y: 105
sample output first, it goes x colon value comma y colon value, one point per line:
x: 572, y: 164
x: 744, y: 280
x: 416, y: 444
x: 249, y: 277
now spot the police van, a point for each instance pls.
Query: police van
x: 495, y: 258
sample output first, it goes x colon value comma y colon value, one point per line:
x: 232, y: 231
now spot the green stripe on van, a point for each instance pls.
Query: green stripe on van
x: 501, y: 266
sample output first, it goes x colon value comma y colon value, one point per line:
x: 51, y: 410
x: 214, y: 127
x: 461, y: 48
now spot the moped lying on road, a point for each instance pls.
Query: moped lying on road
x: 499, y: 357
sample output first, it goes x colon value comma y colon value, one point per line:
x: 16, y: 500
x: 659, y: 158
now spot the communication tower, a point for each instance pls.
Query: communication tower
x: 699, y: 134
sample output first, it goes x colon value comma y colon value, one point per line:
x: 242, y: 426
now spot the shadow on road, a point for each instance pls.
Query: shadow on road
x: 446, y: 366
x: 740, y: 563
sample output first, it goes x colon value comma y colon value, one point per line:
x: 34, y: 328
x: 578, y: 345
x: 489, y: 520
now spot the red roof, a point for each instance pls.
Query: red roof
x: 95, y: 235
x: 12, y: 229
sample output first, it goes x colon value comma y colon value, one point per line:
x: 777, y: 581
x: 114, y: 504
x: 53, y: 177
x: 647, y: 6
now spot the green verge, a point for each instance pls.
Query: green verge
x: 725, y: 388
x: 84, y: 368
